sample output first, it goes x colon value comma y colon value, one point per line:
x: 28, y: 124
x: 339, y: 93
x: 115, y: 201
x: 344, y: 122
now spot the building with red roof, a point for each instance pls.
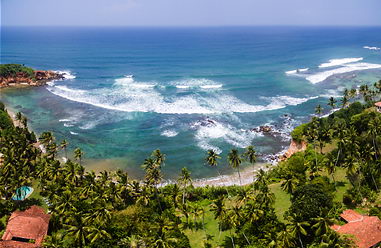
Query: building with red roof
x: 378, y: 106
x: 366, y: 230
x: 26, y: 228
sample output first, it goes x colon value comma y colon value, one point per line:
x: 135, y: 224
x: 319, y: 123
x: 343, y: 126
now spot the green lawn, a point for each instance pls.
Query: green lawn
x: 196, y: 237
x: 282, y: 200
x: 36, y: 195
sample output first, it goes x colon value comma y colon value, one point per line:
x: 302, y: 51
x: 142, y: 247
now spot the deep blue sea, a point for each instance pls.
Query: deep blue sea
x: 183, y: 90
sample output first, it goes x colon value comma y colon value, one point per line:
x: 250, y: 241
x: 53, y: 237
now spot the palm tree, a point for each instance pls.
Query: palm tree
x: 290, y: 184
x: 250, y: 155
x: 18, y: 117
x: 64, y: 145
x: 364, y: 90
x: 184, y: 180
x: 298, y: 229
x: 235, y: 162
x: 318, y: 110
x: 373, y: 128
x: 158, y: 157
x: 24, y: 121
x: 332, y: 102
x: 377, y: 85
x: 78, y: 153
x: 344, y: 101
x: 285, y: 239
x: 77, y: 229
x: 96, y: 232
x: 322, y: 225
x: 352, y: 93
x: 331, y: 167
x: 212, y: 158
x: 46, y: 138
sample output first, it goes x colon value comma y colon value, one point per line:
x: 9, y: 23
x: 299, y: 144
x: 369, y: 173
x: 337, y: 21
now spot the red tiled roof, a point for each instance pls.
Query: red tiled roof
x: 378, y: 104
x: 31, y: 224
x: 365, y: 229
x: 16, y: 244
x: 350, y: 216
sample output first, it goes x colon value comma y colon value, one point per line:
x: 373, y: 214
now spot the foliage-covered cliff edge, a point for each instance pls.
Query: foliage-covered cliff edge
x: 16, y: 74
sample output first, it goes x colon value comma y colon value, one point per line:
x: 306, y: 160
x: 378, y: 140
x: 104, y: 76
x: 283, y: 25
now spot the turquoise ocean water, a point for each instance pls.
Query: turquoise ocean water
x: 132, y: 90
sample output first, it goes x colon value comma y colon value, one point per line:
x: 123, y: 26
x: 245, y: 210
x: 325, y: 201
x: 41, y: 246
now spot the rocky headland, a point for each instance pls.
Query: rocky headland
x: 19, y: 75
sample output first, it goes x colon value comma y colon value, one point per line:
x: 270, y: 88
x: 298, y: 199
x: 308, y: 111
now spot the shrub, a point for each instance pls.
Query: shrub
x: 5, y: 120
x: 11, y: 70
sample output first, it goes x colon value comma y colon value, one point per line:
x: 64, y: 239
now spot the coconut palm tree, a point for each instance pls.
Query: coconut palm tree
x: 212, y: 158
x: 290, y: 184
x: 285, y: 239
x: 235, y: 161
x: 78, y: 154
x: 64, y: 145
x: 318, y: 110
x: 251, y: 156
x: 322, y: 225
x: 158, y: 157
x: 344, y: 101
x: 332, y: 102
x: 297, y: 229
x: 184, y: 180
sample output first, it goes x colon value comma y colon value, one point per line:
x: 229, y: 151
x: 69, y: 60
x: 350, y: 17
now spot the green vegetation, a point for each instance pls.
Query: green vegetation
x: 11, y: 70
x: 292, y: 205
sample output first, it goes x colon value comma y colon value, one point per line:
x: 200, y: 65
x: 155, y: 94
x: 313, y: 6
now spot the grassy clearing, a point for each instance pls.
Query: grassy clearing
x: 282, y: 200
x: 197, y: 237
x: 36, y: 195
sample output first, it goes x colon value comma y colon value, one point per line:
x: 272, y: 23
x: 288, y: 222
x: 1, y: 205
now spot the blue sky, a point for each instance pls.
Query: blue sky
x: 189, y: 12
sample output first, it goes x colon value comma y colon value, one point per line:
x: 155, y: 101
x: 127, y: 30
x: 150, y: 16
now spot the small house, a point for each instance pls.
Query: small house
x: 26, y: 229
x: 366, y: 230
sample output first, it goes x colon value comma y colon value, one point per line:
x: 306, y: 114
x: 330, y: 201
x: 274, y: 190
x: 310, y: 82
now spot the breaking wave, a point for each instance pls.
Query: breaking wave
x: 210, y: 132
x: 338, y: 62
x: 321, y: 76
x: 296, y: 71
x: 169, y: 133
x: 129, y: 95
x: 372, y: 48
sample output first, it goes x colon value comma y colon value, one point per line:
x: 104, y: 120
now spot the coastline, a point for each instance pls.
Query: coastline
x: 248, y: 174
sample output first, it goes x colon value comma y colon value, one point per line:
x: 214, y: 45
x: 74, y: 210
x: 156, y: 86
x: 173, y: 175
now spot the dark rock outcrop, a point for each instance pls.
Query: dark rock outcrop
x: 40, y: 78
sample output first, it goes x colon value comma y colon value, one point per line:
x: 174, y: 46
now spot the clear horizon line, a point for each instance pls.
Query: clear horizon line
x: 190, y: 26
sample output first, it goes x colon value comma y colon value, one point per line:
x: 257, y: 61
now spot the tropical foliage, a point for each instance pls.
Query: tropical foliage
x: 110, y: 209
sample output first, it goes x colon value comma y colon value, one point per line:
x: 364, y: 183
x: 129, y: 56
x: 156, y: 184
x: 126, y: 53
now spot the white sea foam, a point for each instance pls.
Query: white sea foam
x: 213, y: 131
x: 65, y: 88
x: 297, y: 71
x: 124, y: 96
x: 182, y: 86
x: 73, y: 133
x: 201, y: 83
x: 372, y: 48
x: 338, y: 62
x: 66, y: 74
x: 68, y: 125
x: 215, y: 86
x: 321, y: 76
x: 278, y: 102
x: 169, y: 133
x: 50, y: 83
x: 64, y: 120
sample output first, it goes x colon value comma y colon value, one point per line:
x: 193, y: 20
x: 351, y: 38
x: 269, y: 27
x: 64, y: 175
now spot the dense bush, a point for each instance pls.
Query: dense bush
x: 310, y: 201
x: 5, y: 120
x: 10, y: 70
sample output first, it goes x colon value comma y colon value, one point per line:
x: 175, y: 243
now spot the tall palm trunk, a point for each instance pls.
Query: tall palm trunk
x: 232, y: 239
x: 239, y: 176
x: 219, y: 174
x: 300, y: 240
x: 337, y: 159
